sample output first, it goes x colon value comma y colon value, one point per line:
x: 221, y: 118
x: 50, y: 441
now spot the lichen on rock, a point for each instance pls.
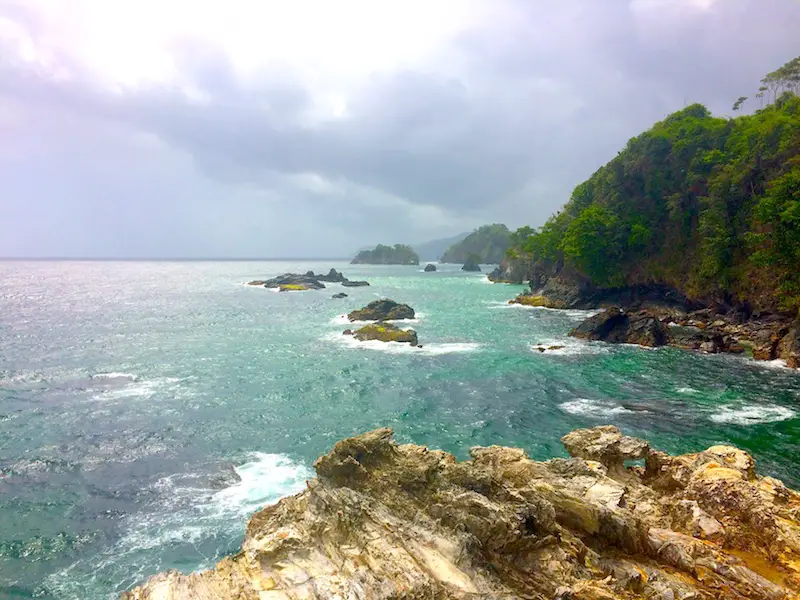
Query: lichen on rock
x: 384, y: 520
x: 385, y: 332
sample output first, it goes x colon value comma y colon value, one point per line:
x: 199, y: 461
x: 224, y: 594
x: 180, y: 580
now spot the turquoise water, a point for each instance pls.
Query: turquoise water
x: 147, y: 408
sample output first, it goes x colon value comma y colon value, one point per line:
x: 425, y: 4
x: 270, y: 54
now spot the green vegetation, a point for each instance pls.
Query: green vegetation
x: 399, y: 254
x: 490, y: 243
x: 708, y: 205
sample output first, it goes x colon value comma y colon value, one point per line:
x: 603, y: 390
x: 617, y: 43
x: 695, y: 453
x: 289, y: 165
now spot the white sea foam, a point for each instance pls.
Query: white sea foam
x: 143, y: 388
x: 431, y: 349
x: 593, y: 408
x: 569, y: 347
x: 687, y: 390
x: 114, y: 375
x: 753, y: 414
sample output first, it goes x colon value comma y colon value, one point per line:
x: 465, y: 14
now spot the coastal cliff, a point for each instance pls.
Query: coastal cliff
x: 383, y: 520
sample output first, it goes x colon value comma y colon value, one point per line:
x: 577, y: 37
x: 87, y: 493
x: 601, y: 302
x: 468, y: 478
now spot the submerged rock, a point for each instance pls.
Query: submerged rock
x: 382, y: 310
x: 617, y: 326
x: 339, y: 295
x: 385, y: 332
x: 383, y: 520
x: 430, y: 268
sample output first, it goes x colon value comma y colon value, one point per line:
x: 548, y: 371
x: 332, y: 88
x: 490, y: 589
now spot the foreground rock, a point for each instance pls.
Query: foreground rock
x: 307, y: 281
x: 617, y: 326
x: 390, y: 521
x: 382, y: 310
x: 430, y: 268
x: 384, y: 332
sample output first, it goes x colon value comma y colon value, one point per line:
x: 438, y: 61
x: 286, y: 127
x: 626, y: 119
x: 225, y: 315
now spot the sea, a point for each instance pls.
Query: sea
x: 148, y: 408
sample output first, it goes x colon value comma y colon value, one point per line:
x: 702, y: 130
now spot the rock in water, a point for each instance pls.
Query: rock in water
x: 382, y: 310
x: 390, y: 521
x: 471, y: 265
x: 617, y: 326
x: 339, y: 295
x: 429, y: 268
x: 355, y: 283
x: 333, y: 276
x: 385, y: 332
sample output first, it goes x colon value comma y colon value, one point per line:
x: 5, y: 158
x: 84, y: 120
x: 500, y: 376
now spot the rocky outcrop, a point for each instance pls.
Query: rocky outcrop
x: 385, y: 332
x: 307, y: 281
x: 532, y: 300
x: 471, y: 265
x: 390, y: 521
x: 511, y: 270
x: 430, y: 268
x: 355, y: 283
x: 789, y: 346
x: 617, y: 326
x: 382, y: 310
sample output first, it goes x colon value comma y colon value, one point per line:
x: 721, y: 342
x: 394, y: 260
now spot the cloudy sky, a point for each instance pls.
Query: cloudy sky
x: 244, y: 128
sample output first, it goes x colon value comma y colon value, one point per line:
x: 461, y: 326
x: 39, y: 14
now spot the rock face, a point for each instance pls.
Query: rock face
x: 511, y: 270
x: 617, y: 326
x: 789, y: 346
x: 429, y: 268
x: 382, y: 310
x: 385, y: 332
x: 389, y: 521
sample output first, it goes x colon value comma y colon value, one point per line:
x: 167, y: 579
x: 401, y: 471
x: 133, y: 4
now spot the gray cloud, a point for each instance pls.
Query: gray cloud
x: 501, y: 125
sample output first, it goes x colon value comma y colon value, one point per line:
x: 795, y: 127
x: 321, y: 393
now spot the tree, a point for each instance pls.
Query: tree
x: 741, y: 100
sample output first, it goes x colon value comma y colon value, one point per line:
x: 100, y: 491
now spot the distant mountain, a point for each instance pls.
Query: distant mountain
x: 489, y: 243
x: 399, y: 254
x: 434, y: 249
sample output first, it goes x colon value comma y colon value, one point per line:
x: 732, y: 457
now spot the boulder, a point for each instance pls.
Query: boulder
x: 617, y: 326
x: 382, y: 310
x: 385, y: 332
x: 430, y: 268
x: 389, y: 520
x: 339, y: 295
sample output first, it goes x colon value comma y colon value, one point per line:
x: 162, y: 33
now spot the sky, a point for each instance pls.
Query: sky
x: 311, y: 128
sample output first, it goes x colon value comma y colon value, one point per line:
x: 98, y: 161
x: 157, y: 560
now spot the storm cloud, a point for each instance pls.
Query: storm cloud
x: 160, y: 132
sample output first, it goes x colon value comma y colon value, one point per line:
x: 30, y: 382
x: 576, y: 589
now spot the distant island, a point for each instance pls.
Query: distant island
x: 399, y: 254
x: 434, y: 249
x: 488, y: 243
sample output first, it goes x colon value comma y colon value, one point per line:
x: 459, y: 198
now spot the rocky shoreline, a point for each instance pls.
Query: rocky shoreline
x: 657, y: 315
x: 383, y: 520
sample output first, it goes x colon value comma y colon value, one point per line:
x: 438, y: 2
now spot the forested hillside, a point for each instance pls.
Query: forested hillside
x: 707, y: 205
x: 489, y: 243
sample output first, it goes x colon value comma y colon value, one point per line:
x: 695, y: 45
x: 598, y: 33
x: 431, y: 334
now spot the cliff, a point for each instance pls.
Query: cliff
x: 383, y: 520
x: 488, y: 243
x: 707, y: 207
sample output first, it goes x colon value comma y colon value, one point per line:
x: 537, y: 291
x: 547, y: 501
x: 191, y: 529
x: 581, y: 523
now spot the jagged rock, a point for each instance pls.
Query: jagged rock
x: 385, y: 332
x: 430, y: 268
x: 333, y: 276
x: 382, y: 310
x: 339, y: 295
x: 390, y: 521
x: 789, y: 346
x: 617, y: 326
x: 471, y: 265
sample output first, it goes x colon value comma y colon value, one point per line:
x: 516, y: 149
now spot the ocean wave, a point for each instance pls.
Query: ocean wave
x: 187, y: 512
x: 114, y: 375
x: 753, y: 414
x: 143, y: 388
x: 687, y: 390
x: 570, y: 347
x: 593, y: 408
x: 431, y: 349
